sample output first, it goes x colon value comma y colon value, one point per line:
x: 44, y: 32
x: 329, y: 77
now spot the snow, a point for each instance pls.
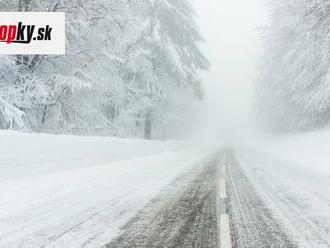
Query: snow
x: 62, y: 191
x: 310, y: 150
x: 26, y: 154
x: 292, y: 174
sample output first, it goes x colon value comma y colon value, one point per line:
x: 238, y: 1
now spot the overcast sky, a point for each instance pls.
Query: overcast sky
x: 233, y: 44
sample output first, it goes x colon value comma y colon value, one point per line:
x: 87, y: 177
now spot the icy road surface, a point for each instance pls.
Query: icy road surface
x: 242, y: 199
x: 213, y: 205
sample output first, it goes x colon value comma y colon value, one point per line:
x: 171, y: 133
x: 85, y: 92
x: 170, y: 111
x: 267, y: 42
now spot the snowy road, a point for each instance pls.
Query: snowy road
x: 182, y: 215
x: 213, y: 205
x: 252, y: 221
x: 193, y: 197
x: 298, y: 196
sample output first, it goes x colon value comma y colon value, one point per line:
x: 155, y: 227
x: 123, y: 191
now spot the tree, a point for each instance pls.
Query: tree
x: 123, y: 61
x: 168, y: 46
x: 293, y: 89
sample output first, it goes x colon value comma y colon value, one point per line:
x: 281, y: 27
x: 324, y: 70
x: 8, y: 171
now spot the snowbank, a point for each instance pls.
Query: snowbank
x: 24, y: 154
x: 310, y: 150
x: 62, y: 191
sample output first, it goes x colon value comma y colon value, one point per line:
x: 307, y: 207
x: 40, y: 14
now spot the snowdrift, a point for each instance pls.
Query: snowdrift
x: 310, y: 150
x: 62, y: 191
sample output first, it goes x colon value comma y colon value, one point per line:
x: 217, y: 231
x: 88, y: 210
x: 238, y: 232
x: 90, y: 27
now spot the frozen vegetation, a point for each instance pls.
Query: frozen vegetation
x: 127, y: 67
x: 293, y: 88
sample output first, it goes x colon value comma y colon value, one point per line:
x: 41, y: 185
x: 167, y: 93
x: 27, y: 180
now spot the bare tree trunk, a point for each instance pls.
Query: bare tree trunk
x: 43, y: 120
x: 148, y: 125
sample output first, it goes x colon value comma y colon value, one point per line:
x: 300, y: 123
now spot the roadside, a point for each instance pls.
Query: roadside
x: 82, y: 205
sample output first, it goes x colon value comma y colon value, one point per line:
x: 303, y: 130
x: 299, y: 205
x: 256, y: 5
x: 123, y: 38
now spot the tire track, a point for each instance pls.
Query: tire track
x: 183, y: 215
x: 252, y: 222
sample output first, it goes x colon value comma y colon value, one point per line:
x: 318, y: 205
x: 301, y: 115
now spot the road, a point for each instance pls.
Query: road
x: 212, y: 205
x: 192, y: 198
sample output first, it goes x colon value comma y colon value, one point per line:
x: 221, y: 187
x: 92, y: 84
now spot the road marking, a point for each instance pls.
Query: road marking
x: 225, y: 237
x: 224, y: 232
x: 223, y: 190
x: 224, y: 161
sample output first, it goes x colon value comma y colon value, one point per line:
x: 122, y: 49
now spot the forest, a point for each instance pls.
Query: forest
x: 131, y: 69
x: 293, y: 88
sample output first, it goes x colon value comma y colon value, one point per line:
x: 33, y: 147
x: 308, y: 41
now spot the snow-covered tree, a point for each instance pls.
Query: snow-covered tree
x: 122, y: 62
x: 164, y: 57
x: 294, y: 88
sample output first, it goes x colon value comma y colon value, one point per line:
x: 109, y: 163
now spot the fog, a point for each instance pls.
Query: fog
x: 232, y: 31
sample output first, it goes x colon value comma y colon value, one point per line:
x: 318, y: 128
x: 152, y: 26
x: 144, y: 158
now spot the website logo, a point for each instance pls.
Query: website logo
x: 32, y: 33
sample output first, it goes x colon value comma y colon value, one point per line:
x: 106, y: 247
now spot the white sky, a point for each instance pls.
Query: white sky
x: 233, y: 44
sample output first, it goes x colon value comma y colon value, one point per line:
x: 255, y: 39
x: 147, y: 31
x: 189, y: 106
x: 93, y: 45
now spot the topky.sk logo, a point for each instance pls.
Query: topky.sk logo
x: 32, y: 33
x: 21, y: 33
